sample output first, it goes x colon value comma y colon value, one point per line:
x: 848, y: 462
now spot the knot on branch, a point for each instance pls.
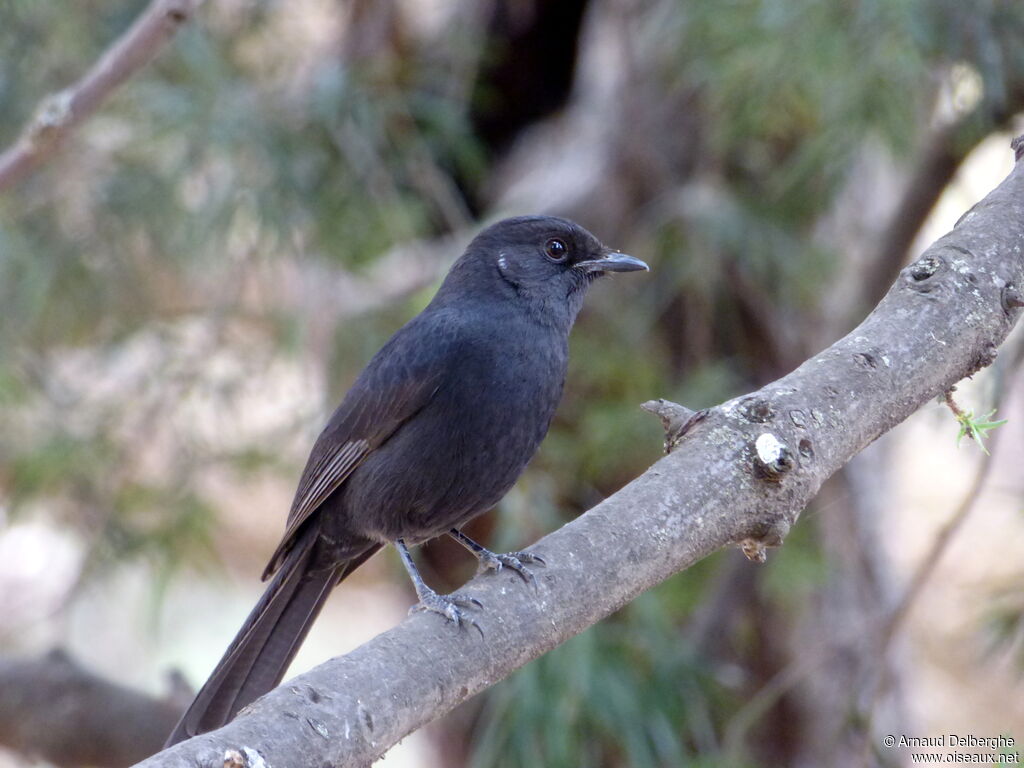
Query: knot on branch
x: 245, y: 757
x: 676, y: 419
x: 1011, y: 299
x: 51, y: 118
x: 772, y: 457
x: 916, y: 275
x: 985, y: 357
x: 756, y: 410
x: 178, y: 12
x: 755, y: 547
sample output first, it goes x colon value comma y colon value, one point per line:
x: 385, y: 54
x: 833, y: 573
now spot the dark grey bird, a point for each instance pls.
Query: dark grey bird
x: 434, y: 432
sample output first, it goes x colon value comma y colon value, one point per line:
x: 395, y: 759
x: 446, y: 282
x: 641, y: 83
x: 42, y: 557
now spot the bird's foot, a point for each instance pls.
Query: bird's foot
x: 516, y: 561
x: 452, y: 607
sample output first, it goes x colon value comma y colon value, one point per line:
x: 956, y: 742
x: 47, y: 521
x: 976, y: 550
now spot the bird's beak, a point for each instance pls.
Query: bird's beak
x: 612, y: 261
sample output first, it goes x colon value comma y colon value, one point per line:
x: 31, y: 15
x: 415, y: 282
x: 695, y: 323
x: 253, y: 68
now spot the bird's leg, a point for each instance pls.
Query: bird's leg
x: 491, y: 561
x: 449, y: 606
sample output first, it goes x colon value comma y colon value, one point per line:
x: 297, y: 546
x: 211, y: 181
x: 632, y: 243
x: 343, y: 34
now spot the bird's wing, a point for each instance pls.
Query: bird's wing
x: 400, y: 380
x: 325, y: 471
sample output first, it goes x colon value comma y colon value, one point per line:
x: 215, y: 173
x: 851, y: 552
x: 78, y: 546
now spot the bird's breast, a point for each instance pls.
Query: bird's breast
x: 497, y: 410
x: 463, y: 451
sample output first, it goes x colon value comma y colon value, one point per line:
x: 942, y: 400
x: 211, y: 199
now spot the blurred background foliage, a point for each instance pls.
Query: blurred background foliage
x: 194, y: 280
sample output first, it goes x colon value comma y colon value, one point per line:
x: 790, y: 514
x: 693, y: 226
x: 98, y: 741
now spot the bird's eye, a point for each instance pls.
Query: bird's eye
x: 556, y: 249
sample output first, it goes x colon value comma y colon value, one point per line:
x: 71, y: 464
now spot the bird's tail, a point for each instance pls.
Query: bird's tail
x: 259, y: 655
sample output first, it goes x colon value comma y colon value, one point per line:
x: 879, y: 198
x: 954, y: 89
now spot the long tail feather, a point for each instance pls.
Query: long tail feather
x: 259, y: 655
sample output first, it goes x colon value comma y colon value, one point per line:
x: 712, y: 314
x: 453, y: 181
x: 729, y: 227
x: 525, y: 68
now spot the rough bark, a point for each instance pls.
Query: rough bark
x: 741, y: 475
x: 59, y: 113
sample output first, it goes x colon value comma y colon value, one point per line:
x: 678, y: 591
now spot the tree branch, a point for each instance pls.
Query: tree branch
x: 59, y: 113
x: 741, y: 475
x: 52, y: 708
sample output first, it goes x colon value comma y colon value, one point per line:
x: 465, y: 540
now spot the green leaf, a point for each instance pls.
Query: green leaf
x: 978, y: 429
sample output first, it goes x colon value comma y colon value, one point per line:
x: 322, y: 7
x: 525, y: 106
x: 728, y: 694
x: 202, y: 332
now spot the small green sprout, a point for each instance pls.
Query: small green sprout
x: 975, y: 427
x: 978, y: 429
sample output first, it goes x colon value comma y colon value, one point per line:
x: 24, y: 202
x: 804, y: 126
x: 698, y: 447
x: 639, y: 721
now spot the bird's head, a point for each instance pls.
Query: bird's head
x: 544, y: 262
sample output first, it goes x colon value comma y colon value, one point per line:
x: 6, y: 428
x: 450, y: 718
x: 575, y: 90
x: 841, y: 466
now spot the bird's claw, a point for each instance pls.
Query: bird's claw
x: 516, y: 561
x: 452, y: 607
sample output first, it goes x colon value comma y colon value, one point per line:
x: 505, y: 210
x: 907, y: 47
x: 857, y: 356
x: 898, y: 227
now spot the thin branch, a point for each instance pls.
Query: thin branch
x: 740, y: 475
x: 951, y: 403
x: 762, y: 700
x: 59, y: 113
